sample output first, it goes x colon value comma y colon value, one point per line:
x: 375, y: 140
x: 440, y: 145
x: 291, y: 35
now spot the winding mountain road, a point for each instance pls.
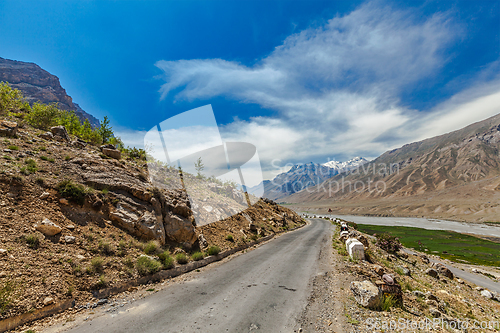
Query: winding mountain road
x: 264, y: 290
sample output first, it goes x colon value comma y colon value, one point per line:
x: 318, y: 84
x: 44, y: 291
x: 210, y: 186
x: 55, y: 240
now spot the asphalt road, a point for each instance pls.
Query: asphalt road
x: 264, y: 290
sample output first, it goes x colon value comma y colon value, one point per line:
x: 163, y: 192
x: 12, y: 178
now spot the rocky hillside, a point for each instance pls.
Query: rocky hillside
x: 76, y: 218
x: 394, y: 287
x: 38, y: 85
x: 454, y: 176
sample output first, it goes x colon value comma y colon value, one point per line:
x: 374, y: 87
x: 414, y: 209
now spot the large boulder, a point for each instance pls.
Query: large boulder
x: 113, y: 153
x: 367, y: 294
x: 146, y: 226
x: 47, y: 227
x: 8, y: 128
x: 431, y: 272
x: 179, y: 229
x: 487, y: 294
x: 60, y: 133
x: 443, y: 270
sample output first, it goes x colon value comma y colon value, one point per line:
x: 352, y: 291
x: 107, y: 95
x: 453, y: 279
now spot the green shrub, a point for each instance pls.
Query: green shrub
x: 43, y: 148
x: 213, y: 250
x: 97, y: 264
x: 43, y: 116
x: 13, y: 147
x: 45, y: 158
x: 7, y: 292
x: 146, y: 265
x: 230, y: 238
x: 72, y: 191
x: 166, y: 259
x: 33, y: 241
x: 10, y: 99
x: 128, y: 262
x: 197, y: 256
x: 151, y: 247
x: 67, y: 158
x: 102, y: 282
x: 105, y: 247
x: 31, y: 165
x: 181, y: 258
x: 388, y: 243
x: 388, y: 302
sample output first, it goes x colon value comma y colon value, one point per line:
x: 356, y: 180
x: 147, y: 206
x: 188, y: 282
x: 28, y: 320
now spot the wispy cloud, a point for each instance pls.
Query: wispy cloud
x: 336, y: 88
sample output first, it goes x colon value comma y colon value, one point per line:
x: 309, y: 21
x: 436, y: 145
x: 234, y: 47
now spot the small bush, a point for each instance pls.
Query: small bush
x: 102, y: 282
x: 128, y: 262
x: 67, y: 158
x: 105, y: 247
x: 13, y: 147
x: 31, y: 165
x: 43, y: 148
x: 197, y: 256
x: 181, y: 258
x: 388, y: 302
x: 388, y: 243
x: 43, y: 116
x: 230, y: 238
x: 146, y: 265
x: 40, y: 181
x: 72, y: 191
x: 7, y: 292
x: 33, y: 241
x: 151, y: 247
x: 44, y: 158
x: 213, y: 250
x: 97, y: 264
x: 166, y: 259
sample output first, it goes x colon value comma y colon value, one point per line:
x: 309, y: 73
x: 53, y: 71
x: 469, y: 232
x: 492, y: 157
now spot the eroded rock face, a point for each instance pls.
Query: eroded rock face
x: 47, y: 227
x: 113, y: 153
x: 366, y: 294
x: 8, y: 128
x: 179, y: 229
x: 145, y: 226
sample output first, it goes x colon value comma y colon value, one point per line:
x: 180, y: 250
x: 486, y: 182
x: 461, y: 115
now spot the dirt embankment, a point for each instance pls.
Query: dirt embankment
x: 423, y: 292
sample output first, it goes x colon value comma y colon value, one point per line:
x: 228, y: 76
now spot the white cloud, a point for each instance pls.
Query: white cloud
x: 336, y: 87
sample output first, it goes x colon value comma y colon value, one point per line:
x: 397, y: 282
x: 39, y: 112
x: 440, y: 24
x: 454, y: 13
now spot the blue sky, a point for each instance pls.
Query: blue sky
x: 302, y: 80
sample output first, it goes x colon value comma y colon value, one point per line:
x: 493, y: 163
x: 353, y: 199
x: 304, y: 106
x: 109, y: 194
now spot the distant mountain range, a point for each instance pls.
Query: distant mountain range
x: 38, y: 85
x: 302, y: 176
x: 452, y: 176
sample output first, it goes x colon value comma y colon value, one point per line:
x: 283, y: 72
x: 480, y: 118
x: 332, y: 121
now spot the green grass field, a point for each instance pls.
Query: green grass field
x: 456, y: 247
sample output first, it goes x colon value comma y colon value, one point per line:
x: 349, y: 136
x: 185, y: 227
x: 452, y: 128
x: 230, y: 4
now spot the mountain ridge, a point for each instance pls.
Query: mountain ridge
x: 301, y: 176
x: 38, y: 85
x: 454, y: 176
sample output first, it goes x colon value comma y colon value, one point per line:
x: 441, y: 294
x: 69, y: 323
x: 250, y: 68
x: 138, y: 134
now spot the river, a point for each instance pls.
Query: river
x: 418, y: 222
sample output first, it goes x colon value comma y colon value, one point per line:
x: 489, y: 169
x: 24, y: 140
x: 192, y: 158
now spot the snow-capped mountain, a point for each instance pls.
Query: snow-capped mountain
x: 302, y: 176
x: 347, y: 165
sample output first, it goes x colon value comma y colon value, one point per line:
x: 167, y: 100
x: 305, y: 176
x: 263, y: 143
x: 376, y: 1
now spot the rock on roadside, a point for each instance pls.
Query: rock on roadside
x: 367, y: 294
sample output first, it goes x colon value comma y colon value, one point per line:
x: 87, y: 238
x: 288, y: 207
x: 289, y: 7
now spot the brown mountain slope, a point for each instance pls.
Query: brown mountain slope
x: 454, y: 176
x: 38, y: 85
